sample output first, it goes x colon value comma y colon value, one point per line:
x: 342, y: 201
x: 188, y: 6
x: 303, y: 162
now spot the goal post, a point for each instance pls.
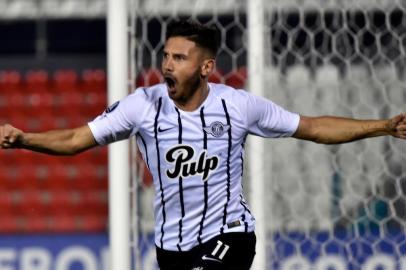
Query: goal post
x: 256, y: 149
x: 119, y: 152
x: 321, y: 207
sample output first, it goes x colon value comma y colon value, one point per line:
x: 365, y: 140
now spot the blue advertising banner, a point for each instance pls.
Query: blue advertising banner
x: 340, y: 250
x: 54, y: 252
x: 65, y: 252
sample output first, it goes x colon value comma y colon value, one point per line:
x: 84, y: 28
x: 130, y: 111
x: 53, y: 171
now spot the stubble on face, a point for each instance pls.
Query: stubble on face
x: 181, y: 68
x: 187, y: 88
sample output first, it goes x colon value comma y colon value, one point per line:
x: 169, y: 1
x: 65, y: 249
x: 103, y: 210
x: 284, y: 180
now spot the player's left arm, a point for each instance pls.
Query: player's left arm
x: 334, y: 130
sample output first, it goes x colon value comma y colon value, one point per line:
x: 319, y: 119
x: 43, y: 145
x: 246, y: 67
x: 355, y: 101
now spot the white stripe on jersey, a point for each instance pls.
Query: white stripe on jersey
x: 196, y: 158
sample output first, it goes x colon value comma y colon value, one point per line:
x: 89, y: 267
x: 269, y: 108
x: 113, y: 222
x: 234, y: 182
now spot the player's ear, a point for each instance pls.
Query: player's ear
x: 207, y: 67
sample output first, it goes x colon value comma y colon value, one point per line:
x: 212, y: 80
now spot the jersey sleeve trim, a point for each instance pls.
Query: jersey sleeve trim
x: 93, y: 129
x: 294, y: 124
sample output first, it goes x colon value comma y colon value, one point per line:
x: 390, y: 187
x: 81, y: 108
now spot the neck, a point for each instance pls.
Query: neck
x: 196, y: 99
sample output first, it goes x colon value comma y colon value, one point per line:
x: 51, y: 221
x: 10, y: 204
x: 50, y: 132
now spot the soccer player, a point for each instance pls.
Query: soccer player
x: 192, y: 134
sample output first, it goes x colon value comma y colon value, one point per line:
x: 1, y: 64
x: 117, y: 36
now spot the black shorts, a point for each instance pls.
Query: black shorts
x: 229, y: 251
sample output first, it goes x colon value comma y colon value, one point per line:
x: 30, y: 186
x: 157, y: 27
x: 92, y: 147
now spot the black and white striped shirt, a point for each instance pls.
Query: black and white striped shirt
x: 196, y: 158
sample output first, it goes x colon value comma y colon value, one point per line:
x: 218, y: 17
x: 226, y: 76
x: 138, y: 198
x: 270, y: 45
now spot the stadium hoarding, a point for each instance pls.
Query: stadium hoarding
x: 53, y: 251
x: 291, y: 251
x: 342, y: 249
x: 64, y: 252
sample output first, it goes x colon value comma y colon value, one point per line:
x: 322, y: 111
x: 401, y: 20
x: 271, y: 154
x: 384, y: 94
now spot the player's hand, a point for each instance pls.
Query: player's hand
x: 10, y: 137
x: 397, y: 126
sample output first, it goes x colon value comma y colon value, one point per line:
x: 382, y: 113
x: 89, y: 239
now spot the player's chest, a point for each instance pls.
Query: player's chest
x: 212, y: 125
x: 192, y: 143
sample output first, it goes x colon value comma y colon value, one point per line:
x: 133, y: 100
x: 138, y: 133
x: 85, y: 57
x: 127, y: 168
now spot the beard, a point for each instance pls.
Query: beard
x: 181, y: 92
x: 192, y: 84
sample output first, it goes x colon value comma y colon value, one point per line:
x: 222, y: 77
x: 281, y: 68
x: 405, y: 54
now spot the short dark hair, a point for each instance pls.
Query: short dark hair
x: 204, y: 36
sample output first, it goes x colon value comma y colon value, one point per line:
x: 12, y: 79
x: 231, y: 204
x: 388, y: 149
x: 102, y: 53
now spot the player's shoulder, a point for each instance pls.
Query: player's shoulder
x: 228, y: 93
x: 141, y: 98
x: 150, y: 93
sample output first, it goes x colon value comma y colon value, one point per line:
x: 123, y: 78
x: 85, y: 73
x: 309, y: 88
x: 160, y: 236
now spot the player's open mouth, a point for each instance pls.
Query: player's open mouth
x: 170, y: 82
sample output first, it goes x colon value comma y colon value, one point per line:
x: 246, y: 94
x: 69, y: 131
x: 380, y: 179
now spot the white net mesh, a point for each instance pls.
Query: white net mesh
x: 337, y: 207
x: 330, y: 207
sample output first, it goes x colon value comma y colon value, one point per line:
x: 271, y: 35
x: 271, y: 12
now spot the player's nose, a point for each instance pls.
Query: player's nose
x: 167, y: 65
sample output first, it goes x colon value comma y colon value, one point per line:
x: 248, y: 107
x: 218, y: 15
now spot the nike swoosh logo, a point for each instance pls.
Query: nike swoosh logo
x: 164, y: 129
x: 205, y: 258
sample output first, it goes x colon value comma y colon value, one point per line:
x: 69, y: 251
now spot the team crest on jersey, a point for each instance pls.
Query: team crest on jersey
x: 217, y: 129
x: 181, y: 157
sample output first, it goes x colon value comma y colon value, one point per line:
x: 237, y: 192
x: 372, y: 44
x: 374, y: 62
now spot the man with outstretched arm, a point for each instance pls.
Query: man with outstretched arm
x: 192, y: 134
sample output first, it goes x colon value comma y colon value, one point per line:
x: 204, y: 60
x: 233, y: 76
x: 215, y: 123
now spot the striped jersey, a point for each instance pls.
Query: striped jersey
x: 196, y: 158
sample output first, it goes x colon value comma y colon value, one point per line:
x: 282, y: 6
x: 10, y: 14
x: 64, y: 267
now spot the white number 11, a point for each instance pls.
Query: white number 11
x: 217, y: 249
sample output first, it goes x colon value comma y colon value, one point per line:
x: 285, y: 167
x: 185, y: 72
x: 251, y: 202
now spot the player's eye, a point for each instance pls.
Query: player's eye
x: 179, y: 57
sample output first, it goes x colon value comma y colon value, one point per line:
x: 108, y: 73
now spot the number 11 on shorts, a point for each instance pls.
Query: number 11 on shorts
x: 217, y: 250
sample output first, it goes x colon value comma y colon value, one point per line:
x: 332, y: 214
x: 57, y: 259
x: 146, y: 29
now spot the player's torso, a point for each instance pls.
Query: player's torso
x: 192, y: 145
x: 196, y: 161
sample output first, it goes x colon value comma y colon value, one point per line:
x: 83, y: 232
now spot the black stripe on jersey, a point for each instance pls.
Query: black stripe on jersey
x: 206, y: 187
x: 182, y: 205
x: 228, y: 166
x: 146, y: 149
x: 245, y: 223
x: 203, y: 126
x: 159, y: 170
x: 242, y: 157
x: 241, y: 197
x: 246, y: 210
x: 145, y: 91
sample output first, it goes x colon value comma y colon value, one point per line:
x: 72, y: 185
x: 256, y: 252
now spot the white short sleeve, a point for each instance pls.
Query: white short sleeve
x: 268, y: 119
x: 121, y: 120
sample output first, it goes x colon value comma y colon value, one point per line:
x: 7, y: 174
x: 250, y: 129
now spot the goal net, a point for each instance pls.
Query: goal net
x: 326, y: 207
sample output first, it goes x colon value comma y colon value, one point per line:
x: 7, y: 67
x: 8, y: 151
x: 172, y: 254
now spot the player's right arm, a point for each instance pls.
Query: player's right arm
x: 120, y: 121
x: 54, y: 142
